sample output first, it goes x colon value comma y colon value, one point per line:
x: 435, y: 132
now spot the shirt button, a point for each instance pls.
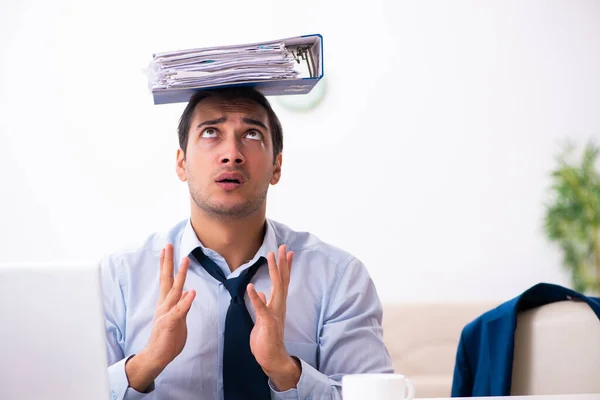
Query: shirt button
x: 113, y: 396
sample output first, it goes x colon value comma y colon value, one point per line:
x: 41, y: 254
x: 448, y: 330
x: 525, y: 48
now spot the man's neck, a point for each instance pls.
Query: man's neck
x: 236, y: 240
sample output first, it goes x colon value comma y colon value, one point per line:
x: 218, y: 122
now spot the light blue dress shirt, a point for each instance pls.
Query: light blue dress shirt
x: 333, y: 322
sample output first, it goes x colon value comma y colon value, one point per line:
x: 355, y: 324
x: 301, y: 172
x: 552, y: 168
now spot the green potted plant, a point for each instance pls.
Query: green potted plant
x: 572, y: 215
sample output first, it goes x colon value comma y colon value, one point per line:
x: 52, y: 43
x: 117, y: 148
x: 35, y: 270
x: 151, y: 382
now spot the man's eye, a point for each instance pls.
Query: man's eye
x: 209, y: 132
x: 254, y: 135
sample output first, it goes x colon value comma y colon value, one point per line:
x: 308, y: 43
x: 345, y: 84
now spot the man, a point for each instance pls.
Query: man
x: 208, y: 329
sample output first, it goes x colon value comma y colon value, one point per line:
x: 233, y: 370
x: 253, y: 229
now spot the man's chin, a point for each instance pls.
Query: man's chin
x: 230, y: 210
x: 229, y: 206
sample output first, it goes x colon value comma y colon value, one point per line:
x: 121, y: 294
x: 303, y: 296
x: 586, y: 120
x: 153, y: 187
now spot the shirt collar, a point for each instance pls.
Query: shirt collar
x: 189, y: 241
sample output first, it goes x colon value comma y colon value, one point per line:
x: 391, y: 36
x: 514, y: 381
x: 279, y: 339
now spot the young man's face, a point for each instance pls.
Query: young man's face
x: 229, y: 158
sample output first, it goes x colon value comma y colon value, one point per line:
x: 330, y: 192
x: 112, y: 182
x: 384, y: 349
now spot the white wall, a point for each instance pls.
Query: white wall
x: 428, y: 159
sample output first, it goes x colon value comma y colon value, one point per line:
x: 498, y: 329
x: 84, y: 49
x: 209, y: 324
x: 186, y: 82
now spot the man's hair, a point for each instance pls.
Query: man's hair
x: 231, y: 94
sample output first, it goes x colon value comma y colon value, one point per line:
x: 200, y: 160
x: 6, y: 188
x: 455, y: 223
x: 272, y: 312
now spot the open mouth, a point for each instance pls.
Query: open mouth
x: 229, y: 181
x: 237, y: 181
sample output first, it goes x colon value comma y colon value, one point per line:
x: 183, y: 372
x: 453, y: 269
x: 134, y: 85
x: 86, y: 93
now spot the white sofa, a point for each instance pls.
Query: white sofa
x: 557, y: 346
x: 423, y: 338
x: 557, y: 350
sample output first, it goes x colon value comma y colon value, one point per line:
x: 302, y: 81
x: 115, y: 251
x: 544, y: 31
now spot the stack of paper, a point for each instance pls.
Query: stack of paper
x: 213, y: 66
x: 289, y: 66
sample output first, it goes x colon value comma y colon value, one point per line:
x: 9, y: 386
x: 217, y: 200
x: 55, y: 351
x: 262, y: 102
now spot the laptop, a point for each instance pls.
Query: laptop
x: 52, y: 337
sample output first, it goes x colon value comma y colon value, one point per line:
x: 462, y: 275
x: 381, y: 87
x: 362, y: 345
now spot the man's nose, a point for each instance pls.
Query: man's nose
x: 231, y: 153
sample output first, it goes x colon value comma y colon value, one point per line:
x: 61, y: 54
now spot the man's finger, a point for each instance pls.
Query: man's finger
x: 276, y: 291
x: 183, y: 295
x: 262, y: 297
x: 161, y: 262
x: 260, y: 308
x: 285, y: 269
x: 282, y: 262
x: 185, y: 303
x: 271, y: 296
x: 166, y: 272
x: 273, y: 269
x: 177, y: 289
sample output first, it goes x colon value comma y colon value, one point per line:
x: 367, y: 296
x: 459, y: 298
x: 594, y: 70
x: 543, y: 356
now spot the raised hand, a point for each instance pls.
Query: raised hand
x: 266, y: 339
x: 169, y: 328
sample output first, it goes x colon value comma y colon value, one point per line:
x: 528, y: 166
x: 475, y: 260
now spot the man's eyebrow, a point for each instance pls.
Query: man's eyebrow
x: 212, y: 122
x: 251, y: 121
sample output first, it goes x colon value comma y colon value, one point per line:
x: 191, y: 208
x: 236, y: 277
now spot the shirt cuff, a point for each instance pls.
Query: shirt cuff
x: 312, y: 385
x: 119, y: 384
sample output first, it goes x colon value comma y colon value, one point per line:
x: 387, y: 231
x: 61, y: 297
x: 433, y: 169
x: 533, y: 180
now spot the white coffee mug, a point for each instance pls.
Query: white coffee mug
x: 377, y: 387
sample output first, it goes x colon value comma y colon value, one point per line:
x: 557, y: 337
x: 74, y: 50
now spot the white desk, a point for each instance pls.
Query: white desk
x: 538, y: 397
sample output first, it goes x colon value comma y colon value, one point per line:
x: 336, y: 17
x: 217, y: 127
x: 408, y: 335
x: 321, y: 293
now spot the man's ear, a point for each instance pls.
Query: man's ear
x: 180, y: 165
x: 277, y: 170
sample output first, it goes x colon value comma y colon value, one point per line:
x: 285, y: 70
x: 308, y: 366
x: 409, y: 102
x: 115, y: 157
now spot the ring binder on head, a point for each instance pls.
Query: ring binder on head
x: 288, y: 66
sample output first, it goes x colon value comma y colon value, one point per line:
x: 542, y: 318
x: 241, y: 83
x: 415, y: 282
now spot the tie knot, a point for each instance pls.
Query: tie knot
x: 237, y: 287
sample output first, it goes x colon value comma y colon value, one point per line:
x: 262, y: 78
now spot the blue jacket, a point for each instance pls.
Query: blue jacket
x: 484, y: 356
